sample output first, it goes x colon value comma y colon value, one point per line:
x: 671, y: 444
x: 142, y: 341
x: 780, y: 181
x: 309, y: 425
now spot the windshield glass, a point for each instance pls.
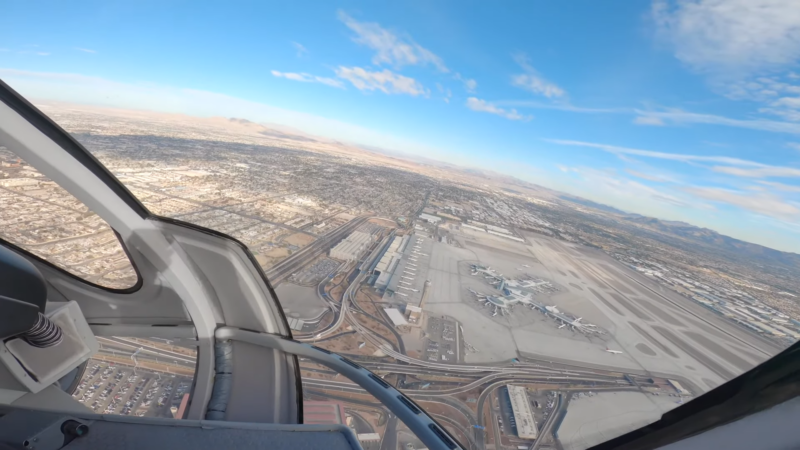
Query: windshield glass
x: 548, y: 225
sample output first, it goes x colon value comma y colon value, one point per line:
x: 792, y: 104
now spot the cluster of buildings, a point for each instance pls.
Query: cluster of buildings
x: 522, y: 291
x: 353, y: 246
x: 39, y: 216
x: 731, y: 302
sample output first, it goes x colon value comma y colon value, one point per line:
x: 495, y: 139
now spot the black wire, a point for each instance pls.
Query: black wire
x: 44, y: 333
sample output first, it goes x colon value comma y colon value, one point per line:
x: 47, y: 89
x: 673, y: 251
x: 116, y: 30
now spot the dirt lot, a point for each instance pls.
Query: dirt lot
x: 299, y: 239
x: 277, y: 253
x: 348, y: 344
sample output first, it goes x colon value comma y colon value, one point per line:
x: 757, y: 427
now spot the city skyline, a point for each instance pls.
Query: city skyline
x: 653, y: 116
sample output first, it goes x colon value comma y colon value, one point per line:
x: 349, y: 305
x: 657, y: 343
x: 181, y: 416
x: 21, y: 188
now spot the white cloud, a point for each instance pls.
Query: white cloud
x: 470, y: 85
x: 446, y: 93
x: 622, y: 187
x: 734, y: 166
x: 308, y: 78
x: 85, y: 50
x: 532, y: 81
x: 758, y: 202
x: 758, y: 172
x: 650, y: 176
x: 648, y: 120
x: 684, y: 117
x: 738, y: 35
x: 479, y: 105
x: 781, y: 186
x: 389, y: 47
x: 658, y: 155
x: 300, y: 48
x: 385, y: 81
x: 794, y: 145
x: 561, y: 106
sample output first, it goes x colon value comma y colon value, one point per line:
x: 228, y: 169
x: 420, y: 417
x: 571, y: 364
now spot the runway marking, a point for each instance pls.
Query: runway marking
x: 607, y: 303
x: 629, y: 306
x: 703, y: 326
x: 621, y: 287
x: 576, y: 286
x: 588, y: 275
x: 720, y: 350
x: 757, y: 358
x: 653, y: 340
x: 660, y: 313
x: 692, y: 351
x: 526, y: 256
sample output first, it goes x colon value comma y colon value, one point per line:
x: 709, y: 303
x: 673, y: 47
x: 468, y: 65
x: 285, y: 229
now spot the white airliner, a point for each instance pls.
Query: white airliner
x: 613, y: 352
x: 525, y: 265
x: 562, y: 326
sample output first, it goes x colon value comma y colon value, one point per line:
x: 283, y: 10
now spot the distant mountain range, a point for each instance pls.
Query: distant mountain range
x: 591, y: 204
x: 716, y: 240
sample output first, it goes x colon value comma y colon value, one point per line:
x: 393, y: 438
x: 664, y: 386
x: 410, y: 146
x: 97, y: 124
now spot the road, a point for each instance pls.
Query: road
x: 548, y: 425
x: 298, y: 260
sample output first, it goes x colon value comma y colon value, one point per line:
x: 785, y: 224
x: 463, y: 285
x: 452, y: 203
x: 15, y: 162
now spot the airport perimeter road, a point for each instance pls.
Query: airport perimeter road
x: 166, y: 356
x: 298, y: 260
x: 548, y: 425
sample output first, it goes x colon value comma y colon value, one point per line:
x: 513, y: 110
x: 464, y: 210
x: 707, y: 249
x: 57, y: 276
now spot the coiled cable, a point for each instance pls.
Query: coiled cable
x: 44, y: 333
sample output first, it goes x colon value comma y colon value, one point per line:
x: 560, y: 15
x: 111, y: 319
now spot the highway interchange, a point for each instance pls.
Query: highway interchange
x: 484, y: 377
x: 448, y: 381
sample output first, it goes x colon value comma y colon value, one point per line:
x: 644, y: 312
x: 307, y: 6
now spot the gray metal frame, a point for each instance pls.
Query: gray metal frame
x: 416, y: 419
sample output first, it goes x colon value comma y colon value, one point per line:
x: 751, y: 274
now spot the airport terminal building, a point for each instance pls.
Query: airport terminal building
x: 523, y: 415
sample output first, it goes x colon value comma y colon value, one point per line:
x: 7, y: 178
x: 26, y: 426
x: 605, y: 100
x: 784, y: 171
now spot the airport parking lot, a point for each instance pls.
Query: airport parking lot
x: 108, y: 388
x: 313, y: 274
x: 442, y: 338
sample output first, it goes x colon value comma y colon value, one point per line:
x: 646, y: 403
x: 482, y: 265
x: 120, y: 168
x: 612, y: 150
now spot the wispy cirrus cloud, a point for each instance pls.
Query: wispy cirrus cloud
x: 85, y: 50
x: 651, y: 176
x: 780, y: 186
x: 757, y: 202
x: 479, y: 105
x: 759, y: 172
x: 531, y: 81
x: 300, y: 49
x: 391, y: 48
x: 385, y: 81
x: 621, y: 188
x: 562, y: 106
x: 731, y: 166
x: 617, y: 150
x: 731, y: 35
x: 685, y: 117
x: 470, y: 85
x: 649, y: 120
x: 308, y: 78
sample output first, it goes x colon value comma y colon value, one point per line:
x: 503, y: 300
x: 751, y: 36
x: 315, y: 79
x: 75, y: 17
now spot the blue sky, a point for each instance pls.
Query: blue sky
x: 679, y: 109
